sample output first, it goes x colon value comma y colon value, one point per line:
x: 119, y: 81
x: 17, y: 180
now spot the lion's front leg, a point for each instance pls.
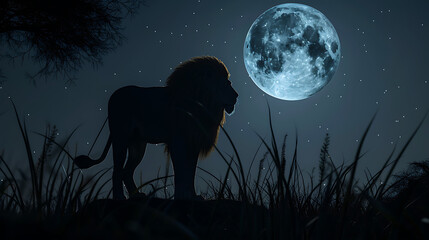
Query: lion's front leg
x: 184, y: 164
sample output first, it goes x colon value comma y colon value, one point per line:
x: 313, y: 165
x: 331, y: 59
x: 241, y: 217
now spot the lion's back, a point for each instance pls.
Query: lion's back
x: 130, y: 97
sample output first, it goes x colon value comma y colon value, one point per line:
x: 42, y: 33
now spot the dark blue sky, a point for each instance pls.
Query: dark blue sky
x: 384, y: 68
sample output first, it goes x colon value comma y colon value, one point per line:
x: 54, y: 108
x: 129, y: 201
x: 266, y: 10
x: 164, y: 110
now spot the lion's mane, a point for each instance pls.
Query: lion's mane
x: 195, y: 112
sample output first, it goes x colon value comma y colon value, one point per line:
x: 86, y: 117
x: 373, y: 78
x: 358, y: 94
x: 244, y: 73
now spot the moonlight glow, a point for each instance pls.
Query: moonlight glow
x: 291, y: 51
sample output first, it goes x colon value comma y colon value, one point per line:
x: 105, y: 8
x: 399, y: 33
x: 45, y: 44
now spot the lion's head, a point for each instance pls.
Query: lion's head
x: 201, y: 93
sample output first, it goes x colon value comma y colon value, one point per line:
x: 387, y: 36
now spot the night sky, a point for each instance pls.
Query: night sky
x: 383, y: 68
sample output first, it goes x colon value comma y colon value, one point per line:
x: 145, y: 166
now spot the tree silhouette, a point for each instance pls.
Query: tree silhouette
x: 62, y: 35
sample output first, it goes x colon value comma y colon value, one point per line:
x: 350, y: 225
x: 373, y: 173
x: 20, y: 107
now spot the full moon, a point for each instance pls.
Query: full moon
x: 291, y: 51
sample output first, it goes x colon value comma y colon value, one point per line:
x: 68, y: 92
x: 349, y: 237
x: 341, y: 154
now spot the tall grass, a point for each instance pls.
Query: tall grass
x: 331, y: 205
x: 52, y: 185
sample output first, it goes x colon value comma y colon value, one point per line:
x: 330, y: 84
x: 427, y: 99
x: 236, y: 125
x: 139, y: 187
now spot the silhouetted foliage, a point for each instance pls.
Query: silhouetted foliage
x: 62, y: 35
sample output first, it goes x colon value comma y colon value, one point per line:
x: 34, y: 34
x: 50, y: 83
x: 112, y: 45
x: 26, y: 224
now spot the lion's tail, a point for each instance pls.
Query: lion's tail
x: 84, y: 161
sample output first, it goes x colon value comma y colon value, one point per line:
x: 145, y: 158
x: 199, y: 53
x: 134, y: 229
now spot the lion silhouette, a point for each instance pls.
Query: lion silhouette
x: 186, y: 115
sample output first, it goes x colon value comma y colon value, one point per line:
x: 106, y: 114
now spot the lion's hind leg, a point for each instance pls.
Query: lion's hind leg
x: 119, y: 155
x: 135, y: 155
